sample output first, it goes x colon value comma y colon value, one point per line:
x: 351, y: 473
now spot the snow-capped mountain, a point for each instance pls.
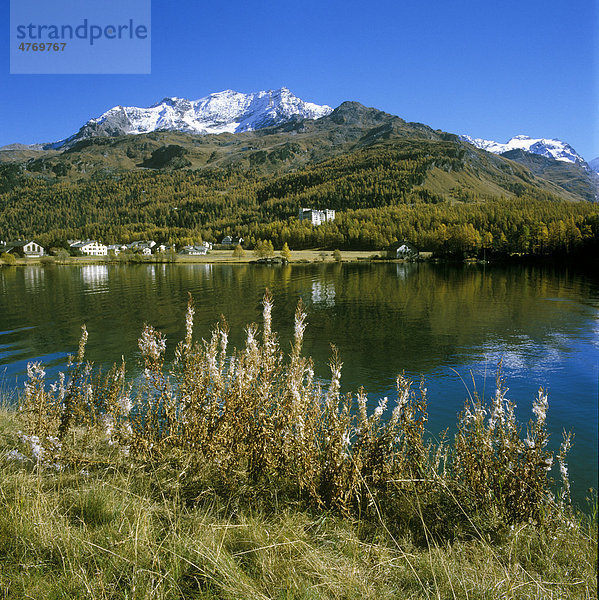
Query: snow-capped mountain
x: 594, y: 164
x: 550, y: 148
x: 221, y: 112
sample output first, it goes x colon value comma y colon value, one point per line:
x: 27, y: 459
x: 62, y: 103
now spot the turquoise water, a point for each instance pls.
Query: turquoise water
x: 451, y: 325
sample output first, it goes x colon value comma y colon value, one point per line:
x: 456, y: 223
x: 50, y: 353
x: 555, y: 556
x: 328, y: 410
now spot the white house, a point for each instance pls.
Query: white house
x: 25, y: 248
x: 90, y: 248
x: 316, y: 217
x: 194, y: 250
x: 407, y: 251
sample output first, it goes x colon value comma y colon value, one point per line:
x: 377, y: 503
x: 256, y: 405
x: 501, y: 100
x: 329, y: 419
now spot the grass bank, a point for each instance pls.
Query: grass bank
x: 234, y: 474
x: 121, y: 530
x: 215, y: 256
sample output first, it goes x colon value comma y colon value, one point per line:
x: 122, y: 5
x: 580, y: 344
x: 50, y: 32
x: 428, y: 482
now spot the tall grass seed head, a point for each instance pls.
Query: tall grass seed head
x: 540, y: 406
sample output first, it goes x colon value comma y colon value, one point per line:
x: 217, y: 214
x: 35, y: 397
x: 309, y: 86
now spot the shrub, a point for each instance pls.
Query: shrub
x: 8, y: 259
x: 254, y: 417
x: 62, y: 255
x: 495, y: 464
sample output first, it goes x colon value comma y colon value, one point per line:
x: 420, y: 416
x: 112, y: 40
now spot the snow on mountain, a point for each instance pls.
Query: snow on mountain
x: 594, y: 164
x: 550, y: 148
x: 227, y: 111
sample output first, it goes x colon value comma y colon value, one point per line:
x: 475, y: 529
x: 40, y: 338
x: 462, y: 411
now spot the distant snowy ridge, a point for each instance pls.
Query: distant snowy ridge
x: 594, y: 164
x: 550, y: 148
x: 221, y: 112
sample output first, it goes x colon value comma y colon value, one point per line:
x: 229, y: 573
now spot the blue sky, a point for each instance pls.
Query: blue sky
x: 489, y: 69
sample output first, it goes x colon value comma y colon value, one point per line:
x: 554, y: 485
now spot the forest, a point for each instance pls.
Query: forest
x: 382, y: 196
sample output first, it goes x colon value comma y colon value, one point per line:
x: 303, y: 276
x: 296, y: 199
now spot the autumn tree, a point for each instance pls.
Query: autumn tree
x: 264, y: 248
x: 285, y: 252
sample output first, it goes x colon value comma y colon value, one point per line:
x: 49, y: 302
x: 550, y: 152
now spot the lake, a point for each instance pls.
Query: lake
x: 450, y: 324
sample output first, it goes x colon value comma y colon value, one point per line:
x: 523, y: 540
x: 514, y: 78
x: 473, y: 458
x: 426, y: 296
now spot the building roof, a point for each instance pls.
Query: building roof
x: 20, y: 243
x: 86, y: 243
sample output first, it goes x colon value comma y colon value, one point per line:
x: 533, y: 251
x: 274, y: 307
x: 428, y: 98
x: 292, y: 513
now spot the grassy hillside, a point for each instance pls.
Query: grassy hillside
x: 274, y: 150
x: 571, y: 177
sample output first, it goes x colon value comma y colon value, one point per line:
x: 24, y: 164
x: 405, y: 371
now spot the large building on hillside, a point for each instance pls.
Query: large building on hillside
x: 316, y: 217
x: 90, y: 248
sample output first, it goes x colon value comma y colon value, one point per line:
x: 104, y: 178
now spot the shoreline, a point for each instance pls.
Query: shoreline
x: 314, y: 256
x: 221, y: 257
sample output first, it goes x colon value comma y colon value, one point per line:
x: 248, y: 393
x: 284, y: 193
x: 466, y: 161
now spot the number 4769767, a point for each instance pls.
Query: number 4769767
x: 42, y: 47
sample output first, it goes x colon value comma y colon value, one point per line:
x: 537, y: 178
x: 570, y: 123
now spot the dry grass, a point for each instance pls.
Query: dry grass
x: 114, y: 533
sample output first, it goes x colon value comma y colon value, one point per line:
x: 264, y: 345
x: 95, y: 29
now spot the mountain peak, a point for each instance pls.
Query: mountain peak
x: 172, y: 100
x: 354, y: 113
x: 227, y: 111
x: 550, y: 148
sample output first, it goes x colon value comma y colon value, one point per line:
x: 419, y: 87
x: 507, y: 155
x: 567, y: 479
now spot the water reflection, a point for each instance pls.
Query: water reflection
x: 403, y: 270
x: 525, y: 357
x: 95, y: 277
x: 323, y: 293
x: 33, y: 278
x: 382, y: 317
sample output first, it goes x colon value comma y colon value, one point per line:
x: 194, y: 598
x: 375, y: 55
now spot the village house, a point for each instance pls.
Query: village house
x: 316, y: 217
x: 24, y: 248
x: 161, y: 248
x: 145, y: 247
x: 90, y: 248
x: 116, y: 249
x: 232, y: 241
x: 199, y: 250
x: 407, y: 251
